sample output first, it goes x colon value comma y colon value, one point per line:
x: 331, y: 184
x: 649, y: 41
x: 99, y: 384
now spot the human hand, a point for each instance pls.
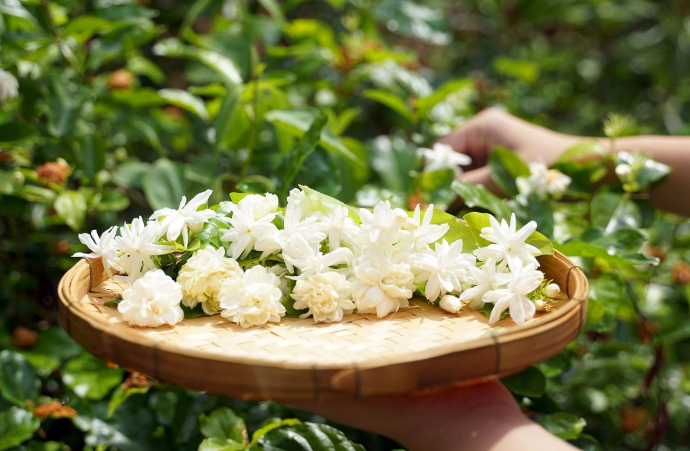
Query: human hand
x: 493, y: 127
x: 476, y: 417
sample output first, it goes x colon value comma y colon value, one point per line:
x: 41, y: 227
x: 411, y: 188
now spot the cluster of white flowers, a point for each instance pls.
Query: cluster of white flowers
x: 316, y: 256
x: 543, y: 181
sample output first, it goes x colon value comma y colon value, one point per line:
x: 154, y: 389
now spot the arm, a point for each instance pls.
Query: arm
x: 480, y: 417
x: 494, y: 127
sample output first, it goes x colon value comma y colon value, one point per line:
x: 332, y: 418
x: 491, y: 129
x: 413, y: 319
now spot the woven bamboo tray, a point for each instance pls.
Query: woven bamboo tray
x: 415, y: 349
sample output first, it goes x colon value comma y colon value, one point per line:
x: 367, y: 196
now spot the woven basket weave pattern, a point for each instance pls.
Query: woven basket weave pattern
x: 414, y: 349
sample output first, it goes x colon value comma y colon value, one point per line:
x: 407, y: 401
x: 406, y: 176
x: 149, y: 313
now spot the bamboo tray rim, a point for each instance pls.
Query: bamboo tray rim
x: 535, y: 326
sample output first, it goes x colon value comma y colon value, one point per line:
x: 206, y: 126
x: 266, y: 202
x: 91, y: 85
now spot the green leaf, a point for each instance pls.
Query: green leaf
x: 530, y: 382
x: 164, y: 185
x: 327, y: 204
x: 89, y: 377
x: 477, y: 196
x: 582, y: 152
x: 71, y: 208
x: 297, y: 121
x: 263, y: 430
x: 306, y: 437
x: 53, y: 347
x: 220, y: 64
x: 214, y: 444
x: 294, y: 160
x: 506, y: 166
x: 16, y: 131
x: 18, y: 379
x: 185, y: 100
x: 527, y: 71
x: 16, y: 426
x: 223, y: 424
x: 130, y: 174
x: 564, y: 425
x: 390, y: 100
x: 120, y: 395
x: 91, y: 154
x: 457, y: 230
x: 581, y: 248
x: 614, y: 211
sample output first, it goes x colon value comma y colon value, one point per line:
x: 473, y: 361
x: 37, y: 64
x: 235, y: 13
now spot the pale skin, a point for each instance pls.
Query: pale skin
x: 484, y: 416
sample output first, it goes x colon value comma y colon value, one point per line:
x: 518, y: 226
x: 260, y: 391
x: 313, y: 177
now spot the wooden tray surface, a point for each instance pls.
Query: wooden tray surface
x: 415, y: 349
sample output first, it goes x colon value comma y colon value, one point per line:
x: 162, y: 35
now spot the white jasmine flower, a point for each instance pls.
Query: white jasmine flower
x: 508, y: 243
x: 281, y: 272
x: 623, y: 171
x: 450, y: 304
x: 423, y: 231
x: 340, y: 228
x: 257, y: 206
x: 9, y: 86
x: 552, y: 290
x: 137, y: 245
x: 544, y: 181
x: 443, y: 156
x: 152, y: 301
x: 102, y: 246
x: 202, y: 276
x: 381, y: 284
x: 298, y: 253
x: 514, y: 296
x: 187, y: 218
x: 483, y: 279
x: 442, y: 269
x: 539, y: 305
x: 245, y: 231
x: 253, y: 299
x: 326, y: 295
x: 382, y: 226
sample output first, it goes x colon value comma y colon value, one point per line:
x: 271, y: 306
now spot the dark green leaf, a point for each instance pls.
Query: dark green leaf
x: 18, y: 379
x: 530, y: 382
x: 223, y: 424
x: 506, y: 166
x: 164, y: 185
x: 16, y: 426
x: 564, y: 425
x: 16, y: 131
x: 89, y: 377
x: 477, y: 196
x: 295, y: 158
x: 391, y: 101
x: 306, y: 437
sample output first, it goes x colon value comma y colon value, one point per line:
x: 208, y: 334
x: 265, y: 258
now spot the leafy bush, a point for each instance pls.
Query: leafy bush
x: 125, y: 107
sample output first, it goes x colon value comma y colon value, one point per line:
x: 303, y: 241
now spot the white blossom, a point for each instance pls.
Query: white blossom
x: 623, y: 171
x: 442, y: 269
x: 103, y: 246
x: 509, y: 244
x: 253, y: 299
x: 202, y: 276
x: 422, y: 230
x: 442, y: 156
x: 245, y: 231
x: 514, y: 296
x: 382, y: 284
x: 298, y: 253
x: 552, y: 290
x: 9, y: 86
x: 381, y: 227
x: 543, y: 181
x: 257, y: 205
x: 281, y: 272
x: 340, y: 228
x: 326, y: 295
x: 482, y: 280
x: 136, y: 246
x: 153, y: 300
x: 187, y: 218
x: 450, y: 304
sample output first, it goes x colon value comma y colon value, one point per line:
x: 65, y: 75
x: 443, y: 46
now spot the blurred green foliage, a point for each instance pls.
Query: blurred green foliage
x: 124, y: 107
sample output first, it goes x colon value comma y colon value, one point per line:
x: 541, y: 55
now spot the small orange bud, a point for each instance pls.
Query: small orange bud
x: 121, y: 79
x: 23, y: 338
x: 54, y: 409
x: 53, y: 172
x: 681, y: 272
